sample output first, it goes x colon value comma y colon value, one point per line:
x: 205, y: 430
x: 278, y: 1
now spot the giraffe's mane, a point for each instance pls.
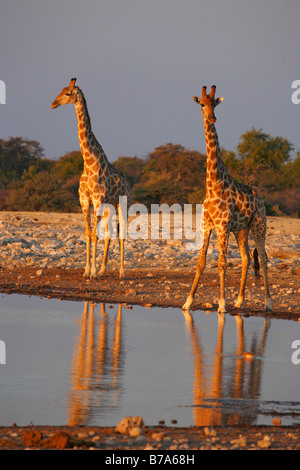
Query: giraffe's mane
x: 85, y: 106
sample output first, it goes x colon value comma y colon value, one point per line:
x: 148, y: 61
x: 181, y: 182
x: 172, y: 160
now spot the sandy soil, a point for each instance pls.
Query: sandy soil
x: 158, y: 284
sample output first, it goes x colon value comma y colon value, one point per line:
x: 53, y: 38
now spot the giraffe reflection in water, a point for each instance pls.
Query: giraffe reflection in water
x: 223, y: 382
x: 244, y: 379
x: 97, y: 363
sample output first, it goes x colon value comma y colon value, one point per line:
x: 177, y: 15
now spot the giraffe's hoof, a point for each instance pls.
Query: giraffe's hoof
x: 186, y: 306
x: 268, y: 306
x: 221, y: 308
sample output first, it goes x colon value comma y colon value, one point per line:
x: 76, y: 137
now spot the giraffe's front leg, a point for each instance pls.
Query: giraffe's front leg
x: 88, y: 245
x: 222, y: 265
x: 242, y: 240
x: 93, y: 273
x: 200, y: 267
x: 104, y: 261
x: 88, y: 253
x: 85, y: 207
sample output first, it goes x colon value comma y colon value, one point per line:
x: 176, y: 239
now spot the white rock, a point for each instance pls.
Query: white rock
x: 129, y: 422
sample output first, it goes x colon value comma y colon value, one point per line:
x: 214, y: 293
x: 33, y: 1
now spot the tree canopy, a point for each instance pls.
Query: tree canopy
x: 16, y: 156
x: 262, y: 156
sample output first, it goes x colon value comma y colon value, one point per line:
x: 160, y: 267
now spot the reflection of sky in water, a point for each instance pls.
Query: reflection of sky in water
x: 82, y: 363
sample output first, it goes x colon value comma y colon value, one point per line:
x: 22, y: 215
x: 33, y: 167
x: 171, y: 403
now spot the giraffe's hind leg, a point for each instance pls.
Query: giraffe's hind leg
x: 258, y: 233
x: 107, y: 216
x: 242, y: 241
x: 122, y: 234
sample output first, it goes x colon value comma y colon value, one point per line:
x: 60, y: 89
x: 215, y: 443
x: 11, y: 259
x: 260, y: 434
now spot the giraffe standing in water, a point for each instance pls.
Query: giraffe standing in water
x: 229, y: 206
x: 100, y: 183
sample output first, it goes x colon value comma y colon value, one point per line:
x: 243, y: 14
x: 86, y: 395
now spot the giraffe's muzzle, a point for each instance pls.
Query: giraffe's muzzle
x: 54, y: 105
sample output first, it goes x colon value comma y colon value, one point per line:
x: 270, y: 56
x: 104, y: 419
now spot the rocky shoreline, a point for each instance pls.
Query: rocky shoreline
x: 44, y: 254
x: 154, y: 439
x: 56, y: 240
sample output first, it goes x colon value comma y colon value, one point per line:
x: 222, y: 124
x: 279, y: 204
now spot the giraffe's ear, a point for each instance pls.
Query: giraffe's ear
x: 219, y: 100
x: 196, y: 99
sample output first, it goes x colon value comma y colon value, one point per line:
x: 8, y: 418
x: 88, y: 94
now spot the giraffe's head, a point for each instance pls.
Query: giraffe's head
x: 208, y: 104
x: 67, y: 95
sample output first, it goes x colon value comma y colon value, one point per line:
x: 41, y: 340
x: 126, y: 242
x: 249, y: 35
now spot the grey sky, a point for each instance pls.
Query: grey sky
x: 139, y: 62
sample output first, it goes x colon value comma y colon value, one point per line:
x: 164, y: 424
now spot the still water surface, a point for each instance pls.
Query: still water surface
x: 84, y: 363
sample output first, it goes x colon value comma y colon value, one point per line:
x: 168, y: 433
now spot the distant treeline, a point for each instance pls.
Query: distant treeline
x: 169, y: 174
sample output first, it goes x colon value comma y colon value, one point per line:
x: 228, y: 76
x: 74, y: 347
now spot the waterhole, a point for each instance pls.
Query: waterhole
x: 69, y: 363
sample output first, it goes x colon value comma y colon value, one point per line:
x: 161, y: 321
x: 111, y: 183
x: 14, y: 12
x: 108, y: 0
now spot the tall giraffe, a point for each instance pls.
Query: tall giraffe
x: 100, y: 183
x: 229, y: 206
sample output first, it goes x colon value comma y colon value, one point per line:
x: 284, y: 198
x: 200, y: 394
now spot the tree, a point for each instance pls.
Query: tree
x: 42, y: 191
x: 132, y: 167
x: 289, y: 177
x: 232, y: 163
x: 16, y: 156
x: 262, y: 156
x: 170, y: 174
x: 68, y: 165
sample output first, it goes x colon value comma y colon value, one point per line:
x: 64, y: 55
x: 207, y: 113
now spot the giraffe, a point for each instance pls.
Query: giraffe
x: 229, y: 206
x: 100, y: 183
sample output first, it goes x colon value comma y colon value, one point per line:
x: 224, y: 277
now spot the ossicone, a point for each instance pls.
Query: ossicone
x: 72, y: 82
x: 212, y: 91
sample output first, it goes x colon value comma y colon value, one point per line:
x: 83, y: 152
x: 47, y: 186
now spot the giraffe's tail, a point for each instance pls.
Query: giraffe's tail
x: 256, y: 262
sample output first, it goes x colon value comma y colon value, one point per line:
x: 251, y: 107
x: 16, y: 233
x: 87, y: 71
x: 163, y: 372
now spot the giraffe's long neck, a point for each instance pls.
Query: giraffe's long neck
x: 215, y: 166
x: 91, y: 150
